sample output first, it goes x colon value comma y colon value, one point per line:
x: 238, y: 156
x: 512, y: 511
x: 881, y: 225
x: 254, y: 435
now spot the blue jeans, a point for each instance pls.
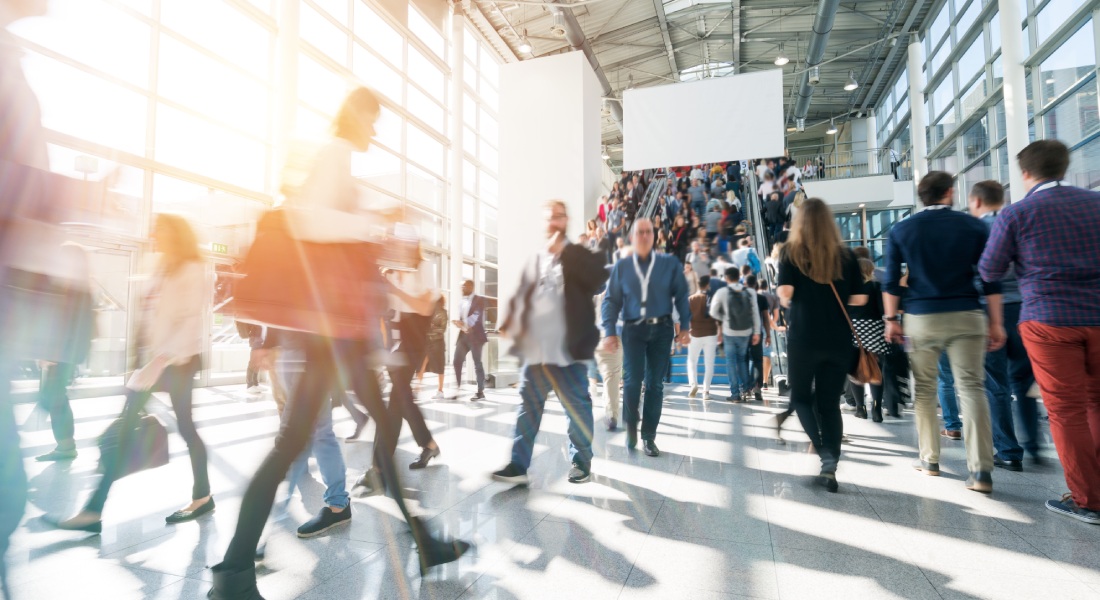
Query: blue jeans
x: 571, y: 387
x: 646, y: 350
x: 737, y: 363
x: 999, y: 394
x: 326, y: 449
x: 949, y: 402
x: 1021, y: 378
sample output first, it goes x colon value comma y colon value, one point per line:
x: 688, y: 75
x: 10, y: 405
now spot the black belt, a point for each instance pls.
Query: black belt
x: 667, y: 319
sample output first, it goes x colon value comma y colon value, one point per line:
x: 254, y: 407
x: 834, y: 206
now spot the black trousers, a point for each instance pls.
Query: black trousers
x: 817, y: 377
x: 179, y: 382
x: 322, y: 356
x: 755, y: 357
x: 53, y: 397
x: 463, y: 345
x: 410, y: 354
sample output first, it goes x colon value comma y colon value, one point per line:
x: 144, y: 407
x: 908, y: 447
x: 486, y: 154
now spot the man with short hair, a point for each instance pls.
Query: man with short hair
x: 941, y: 248
x: 471, y: 336
x: 551, y: 325
x: 704, y: 338
x: 745, y: 255
x: 643, y: 290
x: 1050, y: 236
x: 697, y: 196
x: 616, y: 221
x: 734, y: 306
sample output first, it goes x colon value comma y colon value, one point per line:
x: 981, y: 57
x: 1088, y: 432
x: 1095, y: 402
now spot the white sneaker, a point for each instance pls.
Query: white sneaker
x: 437, y: 396
x: 694, y: 391
x: 254, y: 390
x: 706, y: 396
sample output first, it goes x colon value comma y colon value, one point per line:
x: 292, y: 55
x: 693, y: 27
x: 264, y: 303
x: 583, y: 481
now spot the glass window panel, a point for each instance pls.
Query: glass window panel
x: 489, y: 220
x: 425, y: 150
x: 426, y: 32
x: 469, y: 43
x: 425, y: 74
x: 1030, y: 95
x: 1027, y: 42
x: 1000, y: 156
x: 880, y: 222
x: 191, y: 78
x: 311, y: 124
x: 942, y: 97
x: 377, y: 75
x: 488, y: 129
x: 202, y: 147
x: 469, y: 110
x: 1073, y: 60
x: 469, y: 75
x: 967, y: 19
x: 488, y: 156
x: 319, y: 87
x: 976, y: 140
x: 1024, y: 10
x: 469, y: 141
x: 469, y: 176
x: 1052, y: 16
x: 1084, y: 166
x: 901, y: 86
x: 488, y: 189
x: 431, y: 226
x: 322, y: 34
x: 387, y: 129
x: 468, y: 242
x: 998, y: 73
x: 972, y: 60
x: 995, y: 32
x: 940, y: 57
x: 85, y: 106
x: 94, y: 33
x: 490, y: 68
x: 489, y: 96
x: 1074, y: 118
x: 468, y: 271
x: 426, y: 109
x: 1001, y: 120
x: 426, y: 189
x: 127, y: 188
x: 378, y: 167
x: 973, y: 96
x: 337, y: 8
x: 469, y: 210
x: 223, y: 29
x: 492, y: 254
x: 378, y: 34
x: 939, y: 25
x: 851, y: 226
x: 489, y: 282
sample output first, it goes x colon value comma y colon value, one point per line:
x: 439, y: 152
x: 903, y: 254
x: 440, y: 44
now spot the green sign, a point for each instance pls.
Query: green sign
x: 219, y: 248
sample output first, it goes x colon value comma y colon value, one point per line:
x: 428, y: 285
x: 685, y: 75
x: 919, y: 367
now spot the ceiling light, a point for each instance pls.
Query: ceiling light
x: 605, y: 155
x: 852, y: 83
x: 862, y: 205
x: 524, y: 44
x: 782, y: 58
x: 1050, y: 80
x: 832, y: 128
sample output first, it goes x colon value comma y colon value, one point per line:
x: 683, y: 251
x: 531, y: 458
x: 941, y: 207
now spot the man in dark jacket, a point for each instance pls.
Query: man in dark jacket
x: 552, y: 329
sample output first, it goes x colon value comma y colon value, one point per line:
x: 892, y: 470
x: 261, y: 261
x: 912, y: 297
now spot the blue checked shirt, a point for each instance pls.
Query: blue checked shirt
x: 1053, y: 238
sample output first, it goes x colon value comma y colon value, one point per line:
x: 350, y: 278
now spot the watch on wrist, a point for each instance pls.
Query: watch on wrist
x: 893, y: 319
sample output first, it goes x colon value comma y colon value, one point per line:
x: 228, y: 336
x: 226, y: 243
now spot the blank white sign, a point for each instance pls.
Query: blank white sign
x: 713, y: 120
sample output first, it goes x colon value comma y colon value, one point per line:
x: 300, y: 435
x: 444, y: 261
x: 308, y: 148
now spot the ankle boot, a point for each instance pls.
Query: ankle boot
x: 432, y: 551
x: 234, y: 585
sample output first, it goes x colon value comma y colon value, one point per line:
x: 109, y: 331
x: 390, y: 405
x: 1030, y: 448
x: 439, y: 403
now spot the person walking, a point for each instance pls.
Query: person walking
x: 735, y: 307
x: 551, y: 325
x: 941, y: 248
x: 170, y: 342
x: 642, y: 291
x: 435, y: 358
x: 471, y: 336
x: 867, y: 320
x: 818, y: 279
x: 1050, y: 238
x: 609, y: 363
x: 704, y: 338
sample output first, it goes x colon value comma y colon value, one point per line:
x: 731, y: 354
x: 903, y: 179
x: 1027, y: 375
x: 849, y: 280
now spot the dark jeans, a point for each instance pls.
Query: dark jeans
x: 410, y: 354
x: 1021, y: 378
x: 756, y: 363
x: 571, y: 387
x: 895, y: 380
x: 462, y: 346
x: 322, y: 355
x: 645, y: 357
x: 53, y: 396
x: 817, y: 379
x: 179, y: 382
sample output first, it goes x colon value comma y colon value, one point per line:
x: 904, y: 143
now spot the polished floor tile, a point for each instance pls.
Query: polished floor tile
x: 725, y: 512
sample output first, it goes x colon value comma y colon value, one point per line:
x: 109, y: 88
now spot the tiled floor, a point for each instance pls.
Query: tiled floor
x: 724, y: 512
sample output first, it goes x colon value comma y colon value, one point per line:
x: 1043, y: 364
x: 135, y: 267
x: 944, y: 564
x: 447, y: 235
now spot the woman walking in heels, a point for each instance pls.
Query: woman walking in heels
x: 170, y: 341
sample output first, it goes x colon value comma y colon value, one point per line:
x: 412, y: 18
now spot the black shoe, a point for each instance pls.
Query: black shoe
x: 612, y: 424
x: 579, y: 474
x: 980, y: 482
x: 1008, y: 465
x: 233, y: 585
x: 426, y: 455
x: 358, y: 431
x: 68, y: 525
x: 861, y: 412
x: 631, y: 436
x: 512, y: 474
x: 876, y: 415
x: 1038, y: 460
x: 369, y: 483
x: 325, y: 520
x: 828, y: 481
x: 650, y: 448
x: 758, y: 396
x: 183, y: 516
x: 435, y: 552
x: 479, y: 396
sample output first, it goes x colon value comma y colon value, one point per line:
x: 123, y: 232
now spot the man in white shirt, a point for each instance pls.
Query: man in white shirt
x: 699, y: 259
x: 735, y: 307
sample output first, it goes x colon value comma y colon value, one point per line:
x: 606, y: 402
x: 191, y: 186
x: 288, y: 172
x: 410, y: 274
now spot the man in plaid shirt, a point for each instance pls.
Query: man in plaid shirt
x: 1053, y: 238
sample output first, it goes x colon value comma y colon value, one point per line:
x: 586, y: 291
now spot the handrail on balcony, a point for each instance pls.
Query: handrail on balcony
x: 844, y: 164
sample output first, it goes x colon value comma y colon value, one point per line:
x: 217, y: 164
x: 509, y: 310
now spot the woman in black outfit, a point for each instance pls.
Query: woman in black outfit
x: 819, y: 340
x: 868, y: 322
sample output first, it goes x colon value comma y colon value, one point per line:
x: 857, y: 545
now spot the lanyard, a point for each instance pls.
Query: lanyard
x: 644, y: 278
x: 938, y: 207
x: 1045, y: 186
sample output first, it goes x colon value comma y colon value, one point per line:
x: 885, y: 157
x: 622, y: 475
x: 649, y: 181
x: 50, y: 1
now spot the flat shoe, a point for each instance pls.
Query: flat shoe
x: 183, y: 516
x: 68, y: 525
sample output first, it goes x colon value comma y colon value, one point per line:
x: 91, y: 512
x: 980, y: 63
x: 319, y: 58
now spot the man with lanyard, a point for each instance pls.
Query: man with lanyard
x: 642, y: 290
x: 1050, y: 238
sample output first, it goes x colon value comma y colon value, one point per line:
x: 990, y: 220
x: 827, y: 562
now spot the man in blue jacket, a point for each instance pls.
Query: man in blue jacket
x: 471, y: 337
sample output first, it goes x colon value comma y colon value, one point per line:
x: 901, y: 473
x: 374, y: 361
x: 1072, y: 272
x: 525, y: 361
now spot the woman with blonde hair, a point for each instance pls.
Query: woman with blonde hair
x: 818, y: 279
x: 170, y: 342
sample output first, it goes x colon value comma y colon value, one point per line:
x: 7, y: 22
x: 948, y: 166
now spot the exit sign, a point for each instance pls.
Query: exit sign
x: 219, y: 248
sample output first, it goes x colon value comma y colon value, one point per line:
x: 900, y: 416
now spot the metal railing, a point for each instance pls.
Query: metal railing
x: 847, y: 163
x: 657, y: 186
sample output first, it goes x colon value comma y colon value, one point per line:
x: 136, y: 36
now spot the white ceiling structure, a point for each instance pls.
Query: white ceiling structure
x: 653, y: 42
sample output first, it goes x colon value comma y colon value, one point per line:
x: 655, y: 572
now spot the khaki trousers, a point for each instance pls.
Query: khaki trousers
x: 610, y: 365
x: 963, y: 335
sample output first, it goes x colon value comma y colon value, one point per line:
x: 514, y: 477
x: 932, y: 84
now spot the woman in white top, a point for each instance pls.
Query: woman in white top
x: 170, y: 341
x: 325, y: 209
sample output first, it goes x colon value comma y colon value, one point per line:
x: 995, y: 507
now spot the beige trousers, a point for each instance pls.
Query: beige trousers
x: 963, y: 335
x: 610, y: 365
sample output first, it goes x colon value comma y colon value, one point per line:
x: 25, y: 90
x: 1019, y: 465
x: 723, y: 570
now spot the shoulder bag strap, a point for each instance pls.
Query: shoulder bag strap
x: 844, y: 309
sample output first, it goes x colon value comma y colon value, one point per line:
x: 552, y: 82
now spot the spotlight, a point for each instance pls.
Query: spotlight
x: 782, y: 58
x: 852, y: 83
x: 832, y: 128
x: 605, y: 155
x: 524, y: 44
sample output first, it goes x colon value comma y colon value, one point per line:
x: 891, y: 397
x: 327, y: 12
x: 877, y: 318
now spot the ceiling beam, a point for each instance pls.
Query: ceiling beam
x: 901, y: 46
x: 736, y: 36
x: 853, y: 10
x: 659, y: 6
x: 627, y: 31
x: 637, y: 58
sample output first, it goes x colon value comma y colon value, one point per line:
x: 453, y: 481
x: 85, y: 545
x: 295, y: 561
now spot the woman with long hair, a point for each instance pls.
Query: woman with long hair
x: 680, y: 238
x: 868, y: 322
x: 325, y: 210
x: 818, y: 278
x: 435, y: 359
x: 170, y: 341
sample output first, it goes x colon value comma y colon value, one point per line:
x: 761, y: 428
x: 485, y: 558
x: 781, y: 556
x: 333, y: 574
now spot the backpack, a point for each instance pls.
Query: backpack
x: 739, y: 307
x: 754, y: 261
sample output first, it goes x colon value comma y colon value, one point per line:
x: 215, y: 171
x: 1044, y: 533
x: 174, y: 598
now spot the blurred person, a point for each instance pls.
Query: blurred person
x: 713, y: 220
x: 941, y: 248
x: 699, y: 258
x: 772, y: 321
x: 471, y: 336
x: 610, y: 366
x: 679, y: 239
x: 1050, y: 238
x: 642, y: 291
x: 758, y: 347
x: 436, y: 356
x: 324, y: 210
x: 170, y: 343
x: 616, y: 221
x: 697, y: 196
x: 867, y: 320
x: 77, y: 328
x: 550, y: 322
x: 704, y: 338
x: 818, y: 277
x: 746, y: 256
x: 734, y: 306
x: 602, y: 210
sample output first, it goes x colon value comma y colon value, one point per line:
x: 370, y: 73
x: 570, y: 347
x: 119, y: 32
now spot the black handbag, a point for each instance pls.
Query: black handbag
x: 148, y: 446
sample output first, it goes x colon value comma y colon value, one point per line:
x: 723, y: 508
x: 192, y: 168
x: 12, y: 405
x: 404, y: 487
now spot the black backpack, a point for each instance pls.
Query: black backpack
x: 739, y: 307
